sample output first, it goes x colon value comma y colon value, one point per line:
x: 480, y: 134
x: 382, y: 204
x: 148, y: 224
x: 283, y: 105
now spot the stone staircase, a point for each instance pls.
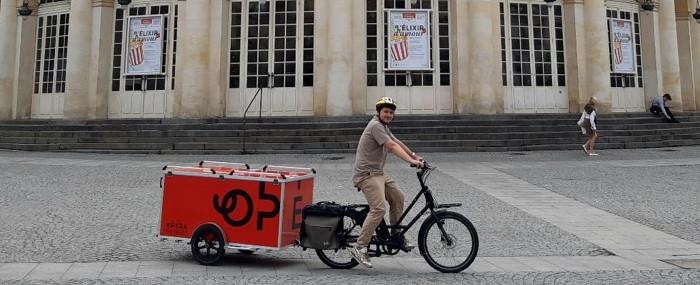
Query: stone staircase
x: 429, y: 133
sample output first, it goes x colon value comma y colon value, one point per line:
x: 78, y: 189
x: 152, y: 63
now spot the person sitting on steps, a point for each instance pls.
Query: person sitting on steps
x: 658, y: 105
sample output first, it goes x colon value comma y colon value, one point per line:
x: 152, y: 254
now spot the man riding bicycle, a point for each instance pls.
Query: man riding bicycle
x: 375, y: 142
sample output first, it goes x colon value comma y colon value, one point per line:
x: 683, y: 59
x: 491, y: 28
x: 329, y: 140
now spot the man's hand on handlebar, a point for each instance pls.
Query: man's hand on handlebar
x: 417, y: 157
x: 417, y: 163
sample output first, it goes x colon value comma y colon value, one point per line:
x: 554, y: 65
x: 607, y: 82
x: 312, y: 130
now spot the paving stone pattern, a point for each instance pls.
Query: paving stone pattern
x: 91, y: 219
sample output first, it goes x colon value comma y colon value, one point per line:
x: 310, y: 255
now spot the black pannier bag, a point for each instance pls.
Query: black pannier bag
x: 321, y: 223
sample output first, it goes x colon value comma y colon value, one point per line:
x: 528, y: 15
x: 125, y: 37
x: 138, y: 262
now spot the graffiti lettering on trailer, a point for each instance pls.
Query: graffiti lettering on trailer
x: 229, y: 202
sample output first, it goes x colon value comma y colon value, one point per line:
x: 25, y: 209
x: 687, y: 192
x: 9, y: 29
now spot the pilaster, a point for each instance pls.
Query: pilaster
x: 321, y: 57
x: 597, y: 55
x: 684, y: 26
x: 668, y: 39
x: 651, y: 55
x: 462, y: 97
x: 358, y: 86
x: 218, y: 58
x: 340, y: 58
x: 100, y: 67
x: 575, y: 37
x: 77, y: 100
x: 192, y: 81
x: 8, y: 40
x: 24, y: 66
x: 695, y: 54
x: 485, y: 87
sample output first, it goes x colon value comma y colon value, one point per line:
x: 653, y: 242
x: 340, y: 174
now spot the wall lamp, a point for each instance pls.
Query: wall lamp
x: 24, y: 10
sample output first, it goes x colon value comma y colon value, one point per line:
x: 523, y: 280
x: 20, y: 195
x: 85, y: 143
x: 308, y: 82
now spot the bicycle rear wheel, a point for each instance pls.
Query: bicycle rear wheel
x: 453, y: 251
x: 340, y: 258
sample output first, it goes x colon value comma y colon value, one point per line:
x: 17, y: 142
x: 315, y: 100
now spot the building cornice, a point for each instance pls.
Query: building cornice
x: 103, y: 3
x: 572, y: 2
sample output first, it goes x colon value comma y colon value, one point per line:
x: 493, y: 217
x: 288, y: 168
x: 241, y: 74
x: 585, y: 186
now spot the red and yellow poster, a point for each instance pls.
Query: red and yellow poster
x: 144, y: 46
x: 622, y: 46
x: 408, y: 39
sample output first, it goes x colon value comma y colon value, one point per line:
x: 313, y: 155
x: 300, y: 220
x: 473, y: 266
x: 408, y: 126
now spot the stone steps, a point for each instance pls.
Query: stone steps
x: 340, y: 134
x: 340, y: 131
x: 475, y: 145
x: 342, y: 138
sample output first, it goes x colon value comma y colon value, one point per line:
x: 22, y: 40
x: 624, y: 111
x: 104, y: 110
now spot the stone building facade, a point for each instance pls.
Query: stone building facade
x: 328, y: 57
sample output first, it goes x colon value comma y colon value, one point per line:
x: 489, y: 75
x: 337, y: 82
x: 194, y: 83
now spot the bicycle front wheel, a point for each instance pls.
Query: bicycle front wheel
x: 452, y: 248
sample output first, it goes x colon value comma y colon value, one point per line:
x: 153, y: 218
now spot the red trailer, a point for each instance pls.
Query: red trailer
x: 218, y: 206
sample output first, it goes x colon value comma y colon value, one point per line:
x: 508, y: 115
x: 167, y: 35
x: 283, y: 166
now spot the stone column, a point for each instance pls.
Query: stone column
x: 76, y: 105
x: 575, y: 37
x: 462, y: 98
x: 8, y: 37
x: 340, y: 58
x: 24, y: 66
x: 597, y: 57
x: 485, y: 86
x: 192, y: 81
x: 683, y: 28
x: 99, y: 77
x: 670, y: 66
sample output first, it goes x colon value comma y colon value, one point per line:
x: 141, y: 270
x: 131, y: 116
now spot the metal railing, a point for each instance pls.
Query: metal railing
x: 270, y: 76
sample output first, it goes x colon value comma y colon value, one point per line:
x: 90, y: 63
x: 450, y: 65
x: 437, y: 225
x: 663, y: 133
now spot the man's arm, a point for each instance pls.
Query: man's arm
x: 396, y: 148
x: 663, y: 109
x: 406, y: 149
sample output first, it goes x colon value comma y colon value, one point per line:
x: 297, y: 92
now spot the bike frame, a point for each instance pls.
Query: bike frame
x: 382, y: 231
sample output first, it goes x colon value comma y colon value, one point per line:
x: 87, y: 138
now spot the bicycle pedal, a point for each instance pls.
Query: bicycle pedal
x: 408, y: 248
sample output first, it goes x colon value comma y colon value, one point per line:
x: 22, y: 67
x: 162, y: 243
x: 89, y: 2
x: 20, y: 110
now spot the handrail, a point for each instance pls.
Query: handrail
x: 270, y: 78
x: 245, y: 120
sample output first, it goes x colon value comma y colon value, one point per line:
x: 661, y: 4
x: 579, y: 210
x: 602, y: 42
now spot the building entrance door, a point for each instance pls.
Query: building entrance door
x: 143, y: 96
x: 533, y: 63
x: 271, y: 53
x: 50, y: 60
x: 416, y: 92
x: 627, y: 89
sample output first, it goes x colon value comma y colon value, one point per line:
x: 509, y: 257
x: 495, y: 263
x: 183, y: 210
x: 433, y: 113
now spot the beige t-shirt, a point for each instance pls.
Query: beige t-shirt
x: 371, y: 155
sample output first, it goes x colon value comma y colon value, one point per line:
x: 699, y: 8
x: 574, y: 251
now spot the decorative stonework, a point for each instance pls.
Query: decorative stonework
x: 103, y: 3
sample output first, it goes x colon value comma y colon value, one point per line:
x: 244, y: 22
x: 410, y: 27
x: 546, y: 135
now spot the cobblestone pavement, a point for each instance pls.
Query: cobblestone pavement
x: 601, y: 277
x: 91, y: 208
x: 662, y: 197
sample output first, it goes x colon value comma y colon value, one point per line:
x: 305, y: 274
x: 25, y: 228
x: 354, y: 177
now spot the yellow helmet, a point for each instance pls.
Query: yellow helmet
x: 385, y: 102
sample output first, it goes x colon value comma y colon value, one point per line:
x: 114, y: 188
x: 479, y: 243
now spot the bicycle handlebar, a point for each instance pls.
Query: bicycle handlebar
x: 426, y: 166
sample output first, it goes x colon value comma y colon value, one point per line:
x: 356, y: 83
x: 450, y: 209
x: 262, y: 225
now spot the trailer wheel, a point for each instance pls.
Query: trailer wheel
x: 207, y: 245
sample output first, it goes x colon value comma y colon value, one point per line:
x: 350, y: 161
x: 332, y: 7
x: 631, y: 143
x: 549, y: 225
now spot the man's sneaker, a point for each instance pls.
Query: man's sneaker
x: 592, y: 153
x: 360, y: 255
x: 584, y: 148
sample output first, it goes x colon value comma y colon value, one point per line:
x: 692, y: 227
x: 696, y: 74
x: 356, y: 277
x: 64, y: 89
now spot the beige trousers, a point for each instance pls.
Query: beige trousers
x: 376, y: 189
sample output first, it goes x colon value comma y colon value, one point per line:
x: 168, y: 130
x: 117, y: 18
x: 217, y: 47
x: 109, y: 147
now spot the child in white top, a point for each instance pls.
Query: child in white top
x: 588, y: 126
